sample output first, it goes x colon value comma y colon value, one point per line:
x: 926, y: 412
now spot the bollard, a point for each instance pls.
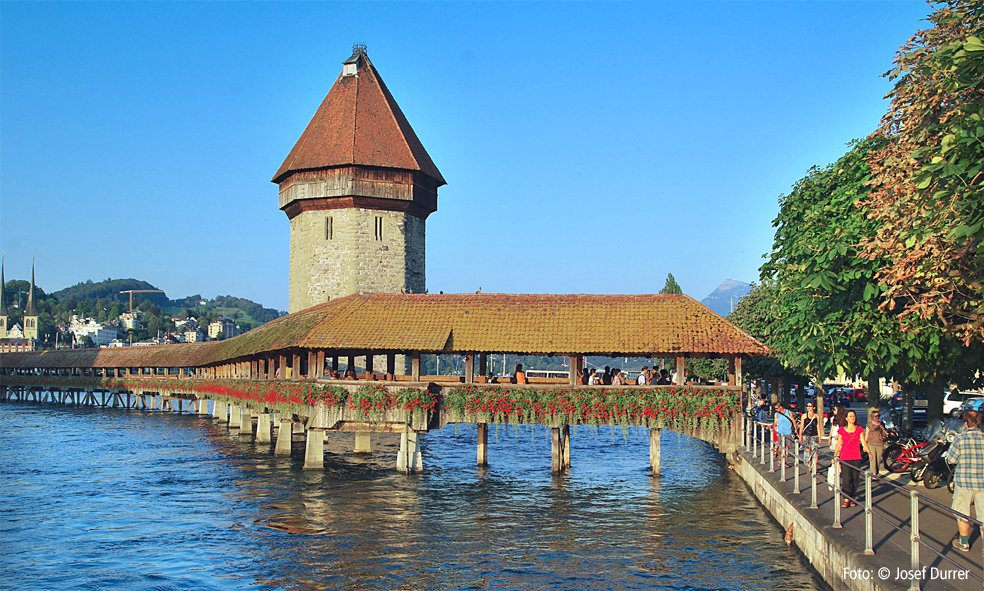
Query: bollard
x: 781, y: 449
x: 914, y: 539
x: 837, y: 493
x: 813, y: 492
x: 754, y: 430
x: 772, y: 454
x: 868, y: 549
x: 762, y: 445
x: 796, y: 467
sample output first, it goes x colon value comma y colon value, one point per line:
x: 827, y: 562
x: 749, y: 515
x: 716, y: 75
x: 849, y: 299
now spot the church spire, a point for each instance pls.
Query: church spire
x: 31, y: 309
x: 3, y: 294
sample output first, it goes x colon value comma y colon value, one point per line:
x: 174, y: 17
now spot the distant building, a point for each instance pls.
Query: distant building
x: 223, y: 325
x: 17, y: 338
x: 194, y: 336
x: 130, y: 321
x: 87, y: 327
x: 186, y: 325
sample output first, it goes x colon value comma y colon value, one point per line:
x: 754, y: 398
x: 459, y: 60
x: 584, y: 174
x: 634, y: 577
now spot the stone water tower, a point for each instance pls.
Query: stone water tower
x: 357, y: 188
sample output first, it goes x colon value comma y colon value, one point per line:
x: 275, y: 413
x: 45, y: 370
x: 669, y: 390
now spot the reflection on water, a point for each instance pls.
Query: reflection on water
x: 117, y: 499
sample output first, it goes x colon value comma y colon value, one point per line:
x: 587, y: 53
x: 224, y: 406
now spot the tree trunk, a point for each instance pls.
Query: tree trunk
x: 874, y: 393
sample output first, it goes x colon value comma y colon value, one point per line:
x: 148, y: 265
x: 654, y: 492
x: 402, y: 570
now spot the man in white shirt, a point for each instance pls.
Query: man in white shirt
x: 643, y: 378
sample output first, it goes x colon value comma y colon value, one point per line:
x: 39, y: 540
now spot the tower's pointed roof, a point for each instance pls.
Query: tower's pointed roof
x: 31, y: 309
x: 3, y: 292
x: 359, y: 123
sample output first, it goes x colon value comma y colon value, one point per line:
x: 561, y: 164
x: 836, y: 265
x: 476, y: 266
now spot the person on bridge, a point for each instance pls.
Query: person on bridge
x: 967, y: 452
x: 519, y: 376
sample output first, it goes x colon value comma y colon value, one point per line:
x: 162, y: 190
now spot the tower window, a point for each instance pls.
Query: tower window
x: 329, y: 228
x: 378, y: 230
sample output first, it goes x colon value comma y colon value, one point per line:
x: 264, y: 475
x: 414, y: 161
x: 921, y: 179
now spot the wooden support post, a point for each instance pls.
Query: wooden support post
x: 415, y: 366
x: 285, y: 432
x: 368, y: 364
x: 391, y: 366
x: 470, y: 368
x: 295, y: 369
x: 738, y: 380
x: 681, y: 370
x: 363, y: 443
x: 654, y: 455
x: 314, y: 452
x: 312, y: 363
x: 483, y: 364
x: 565, y: 435
x: 319, y: 363
x: 263, y: 428
x: 575, y: 369
x: 556, y: 451
x: 483, y: 444
x: 731, y: 371
x: 334, y: 362
x: 350, y: 363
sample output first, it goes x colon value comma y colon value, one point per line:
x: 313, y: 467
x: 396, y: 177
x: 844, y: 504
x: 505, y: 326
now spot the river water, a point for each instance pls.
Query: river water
x: 122, y: 499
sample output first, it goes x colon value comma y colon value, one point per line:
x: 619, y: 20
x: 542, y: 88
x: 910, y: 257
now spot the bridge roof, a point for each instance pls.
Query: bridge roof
x: 631, y: 325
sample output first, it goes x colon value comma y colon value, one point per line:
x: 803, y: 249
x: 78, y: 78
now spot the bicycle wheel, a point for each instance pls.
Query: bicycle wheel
x: 892, y: 461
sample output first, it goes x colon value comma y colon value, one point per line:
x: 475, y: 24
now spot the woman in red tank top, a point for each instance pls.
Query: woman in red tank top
x: 849, y: 444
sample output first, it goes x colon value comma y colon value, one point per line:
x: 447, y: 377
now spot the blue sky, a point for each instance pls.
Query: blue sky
x: 588, y: 147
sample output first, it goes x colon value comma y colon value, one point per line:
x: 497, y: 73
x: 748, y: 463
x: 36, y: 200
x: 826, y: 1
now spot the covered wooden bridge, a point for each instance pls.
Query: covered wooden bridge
x: 277, y: 371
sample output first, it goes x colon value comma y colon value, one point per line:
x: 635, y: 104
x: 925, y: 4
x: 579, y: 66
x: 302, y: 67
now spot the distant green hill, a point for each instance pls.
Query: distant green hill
x: 238, y: 308
x: 110, y: 290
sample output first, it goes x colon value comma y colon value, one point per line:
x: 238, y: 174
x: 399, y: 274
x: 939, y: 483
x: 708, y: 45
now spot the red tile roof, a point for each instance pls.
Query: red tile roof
x: 359, y: 123
x: 630, y: 325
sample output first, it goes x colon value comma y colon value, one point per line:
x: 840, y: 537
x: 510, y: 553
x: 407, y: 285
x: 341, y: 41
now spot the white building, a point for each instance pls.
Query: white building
x: 186, y: 325
x: 130, y: 320
x: 100, y: 334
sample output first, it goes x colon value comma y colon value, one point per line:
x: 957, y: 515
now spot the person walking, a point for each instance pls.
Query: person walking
x: 848, y: 449
x: 785, y: 427
x: 811, y: 430
x: 874, y: 436
x: 967, y: 452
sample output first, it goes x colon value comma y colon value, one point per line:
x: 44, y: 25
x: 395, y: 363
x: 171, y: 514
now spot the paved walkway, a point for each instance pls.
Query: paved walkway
x: 892, y: 510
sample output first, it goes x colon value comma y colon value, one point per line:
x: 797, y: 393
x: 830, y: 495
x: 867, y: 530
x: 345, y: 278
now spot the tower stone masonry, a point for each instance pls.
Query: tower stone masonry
x: 357, y: 188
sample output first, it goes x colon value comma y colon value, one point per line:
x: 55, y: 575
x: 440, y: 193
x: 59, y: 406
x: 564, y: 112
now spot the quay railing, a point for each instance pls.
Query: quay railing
x: 758, y: 439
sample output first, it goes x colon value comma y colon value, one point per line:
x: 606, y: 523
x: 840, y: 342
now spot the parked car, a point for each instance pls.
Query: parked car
x: 972, y: 404
x: 953, y: 400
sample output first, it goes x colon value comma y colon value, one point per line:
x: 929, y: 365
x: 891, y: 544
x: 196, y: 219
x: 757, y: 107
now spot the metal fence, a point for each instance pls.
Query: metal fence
x: 758, y: 439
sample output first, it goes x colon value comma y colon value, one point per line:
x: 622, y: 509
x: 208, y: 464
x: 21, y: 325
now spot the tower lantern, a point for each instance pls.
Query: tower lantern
x: 357, y: 188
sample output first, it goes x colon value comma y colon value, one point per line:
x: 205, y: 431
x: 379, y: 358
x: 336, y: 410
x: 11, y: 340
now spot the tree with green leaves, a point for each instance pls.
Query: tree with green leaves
x: 928, y: 175
x: 671, y: 285
x: 826, y: 316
